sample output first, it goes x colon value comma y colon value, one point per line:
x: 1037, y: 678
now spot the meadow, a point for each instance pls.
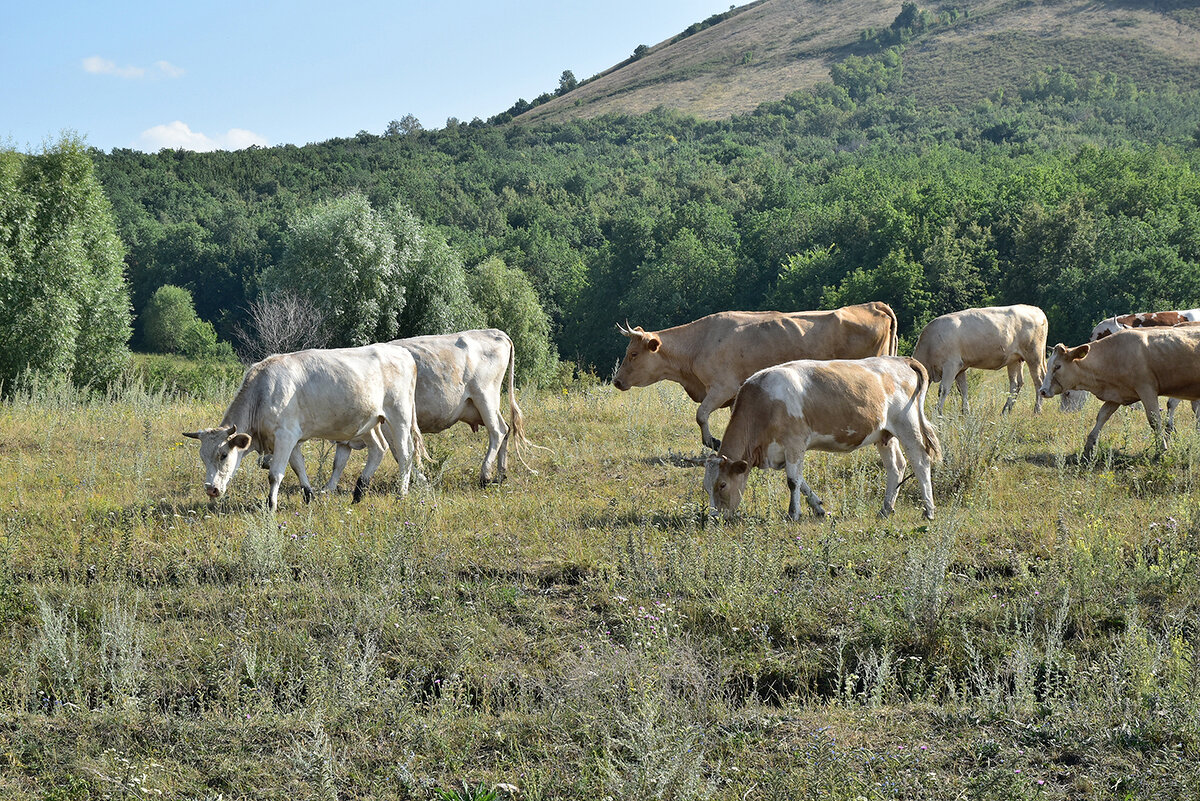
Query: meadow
x: 586, y: 632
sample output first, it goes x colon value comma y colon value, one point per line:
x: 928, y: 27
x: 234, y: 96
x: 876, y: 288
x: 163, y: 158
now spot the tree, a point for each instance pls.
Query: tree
x: 281, y: 322
x: 567, y: 82
x: 170, y: 325
x: 341, y: 255
x: 509, y: 303
x: 435, y: 281
x: 64, y: 304
x: 404, y: 126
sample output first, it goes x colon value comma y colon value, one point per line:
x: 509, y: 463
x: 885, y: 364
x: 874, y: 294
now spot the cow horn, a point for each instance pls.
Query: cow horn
x: 192, y: 434
x: 625, y: 330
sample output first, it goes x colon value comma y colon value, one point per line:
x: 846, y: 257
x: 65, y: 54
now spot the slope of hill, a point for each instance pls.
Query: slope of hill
x: 767, y: 49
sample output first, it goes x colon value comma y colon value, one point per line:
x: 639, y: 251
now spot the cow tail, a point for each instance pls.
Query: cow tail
x: 893, y: 331
x: 516, y: 432
x: 928, y: 435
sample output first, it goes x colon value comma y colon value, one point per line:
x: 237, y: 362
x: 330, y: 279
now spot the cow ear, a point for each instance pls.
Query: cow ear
x: 1060, y: 349
x: 739, y: 467
x: 652, y: 343
x: 1078, y: 353
x: 192, y: 434
x: 240, y: 441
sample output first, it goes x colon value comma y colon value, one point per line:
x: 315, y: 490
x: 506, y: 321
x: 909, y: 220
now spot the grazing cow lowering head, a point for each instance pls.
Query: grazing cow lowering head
x: 724, y: 483
x: 643, y: 363
x: 221, y: 451
x: 1061, y: 370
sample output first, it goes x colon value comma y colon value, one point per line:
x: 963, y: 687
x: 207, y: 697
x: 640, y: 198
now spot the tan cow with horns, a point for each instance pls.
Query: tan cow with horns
x: 784, y: 411
x: 712, y: 356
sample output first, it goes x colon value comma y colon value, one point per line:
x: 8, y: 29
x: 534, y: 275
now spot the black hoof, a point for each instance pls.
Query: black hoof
x: 307, y: 493
x: 715, y: 444
x: 360, y: 489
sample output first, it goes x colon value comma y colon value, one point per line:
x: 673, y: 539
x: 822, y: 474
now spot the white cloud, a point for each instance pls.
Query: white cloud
x: 168, y: 69
x: 178, y: 136
x: 102, y: 66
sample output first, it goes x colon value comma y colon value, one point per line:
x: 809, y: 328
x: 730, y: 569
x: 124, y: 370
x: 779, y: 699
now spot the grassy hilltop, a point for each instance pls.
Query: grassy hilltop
x: 582, y: 633
x: 762, y: 51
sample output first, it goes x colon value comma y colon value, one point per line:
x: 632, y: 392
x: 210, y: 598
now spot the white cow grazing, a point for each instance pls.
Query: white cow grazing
x: 336, y: 394
x: 459, y: 379
x: 783, y: 411
x: 986, y: 339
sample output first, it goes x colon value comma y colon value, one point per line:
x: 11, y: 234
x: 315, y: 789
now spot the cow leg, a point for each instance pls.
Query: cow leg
x: 944, y: 389
x: 1015, y: 382
x: 398, y: 434
x: 285, y: 442
x: 341, y: 455
x: 798, y: 486
x: 1196, y: 412
x: 1150, y: 404
x: 496, y: 455
x: 714, y: 400
x: 894, y: 464
x: 375, y: 453
x: 913, y: 444
x: 1037, y: 374
x: 296, y: 460
x: 1106, y: 411
x: 1172, y: 405
x: 961, y: 380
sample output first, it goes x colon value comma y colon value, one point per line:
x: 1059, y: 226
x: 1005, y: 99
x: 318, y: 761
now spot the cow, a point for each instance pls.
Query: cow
x: 1073, y: 401
x: 337, y: 394
x: 783, y: 411
x: 985, y: 339
x: 459, y: 379
x: 712, y: 356
x: 1137, y: 364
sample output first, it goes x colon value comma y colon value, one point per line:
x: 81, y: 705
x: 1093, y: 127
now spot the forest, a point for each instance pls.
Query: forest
x: 1077, y: 194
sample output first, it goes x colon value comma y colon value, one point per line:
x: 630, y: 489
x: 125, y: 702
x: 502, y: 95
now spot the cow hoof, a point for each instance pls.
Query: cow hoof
x: 927, y: 514
x: 307, y: 493
x: 715, y: 444
x: 359, y: 490
x: 885, y: 512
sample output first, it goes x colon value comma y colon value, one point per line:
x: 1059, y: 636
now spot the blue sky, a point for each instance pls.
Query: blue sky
x: 159, y: 74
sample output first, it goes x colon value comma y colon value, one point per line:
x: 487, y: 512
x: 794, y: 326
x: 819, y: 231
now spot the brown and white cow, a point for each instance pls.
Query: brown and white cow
x: 1073, y: 401
x: 986, y: 339
x: 712, y: 356
x: 1137, y: 364
x: 459, y: 380
x: 336, y: 394
x: 784, y: 411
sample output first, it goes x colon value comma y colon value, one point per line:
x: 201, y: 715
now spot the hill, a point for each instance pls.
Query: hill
x: 765, y: 50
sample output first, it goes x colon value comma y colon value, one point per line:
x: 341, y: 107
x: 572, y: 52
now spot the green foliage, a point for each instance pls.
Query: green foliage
x: 509, y: 303
x: 342, y: 255
x: 64, y: 304
x: 170, y: 325
x: 863, y: 77
x: 435, y: 282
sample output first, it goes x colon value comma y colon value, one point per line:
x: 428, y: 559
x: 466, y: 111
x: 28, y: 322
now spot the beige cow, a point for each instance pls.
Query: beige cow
x: 336, y: 394
x: 784, y: 411
x: 459, y: 380
x: 1137, y: 364
x: 712, y: 356
x: 985, y: 339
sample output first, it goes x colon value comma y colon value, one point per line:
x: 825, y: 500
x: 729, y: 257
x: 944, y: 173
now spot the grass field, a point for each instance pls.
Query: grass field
x: 584, y: 632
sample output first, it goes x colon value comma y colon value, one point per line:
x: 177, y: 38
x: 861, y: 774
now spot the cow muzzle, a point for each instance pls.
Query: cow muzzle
x: 619, y: 384
x: 211, y: 491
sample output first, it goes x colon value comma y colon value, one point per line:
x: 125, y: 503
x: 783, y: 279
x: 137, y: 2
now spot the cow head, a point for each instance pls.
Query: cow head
x: 221, y: 451
x: 643, y: 360
x: 725, y: 481
x: 1062, y: 370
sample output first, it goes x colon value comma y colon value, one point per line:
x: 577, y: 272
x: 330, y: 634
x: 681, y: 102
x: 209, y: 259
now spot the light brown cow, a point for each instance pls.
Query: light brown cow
x: 783, y: 411
x: 1073, y: 401
x: 1137, y: 364
x: 985, y: 339
x: 712, y: 356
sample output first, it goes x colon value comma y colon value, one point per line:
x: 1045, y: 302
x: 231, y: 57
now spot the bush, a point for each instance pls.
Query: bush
x: 170, y: 325
x: 509, y: 303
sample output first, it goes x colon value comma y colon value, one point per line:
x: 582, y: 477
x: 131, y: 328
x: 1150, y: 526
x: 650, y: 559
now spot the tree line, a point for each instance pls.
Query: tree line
x: 1077, y: 193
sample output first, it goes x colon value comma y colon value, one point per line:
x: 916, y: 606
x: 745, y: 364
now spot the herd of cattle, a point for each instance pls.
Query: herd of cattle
x: 797, y: 381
